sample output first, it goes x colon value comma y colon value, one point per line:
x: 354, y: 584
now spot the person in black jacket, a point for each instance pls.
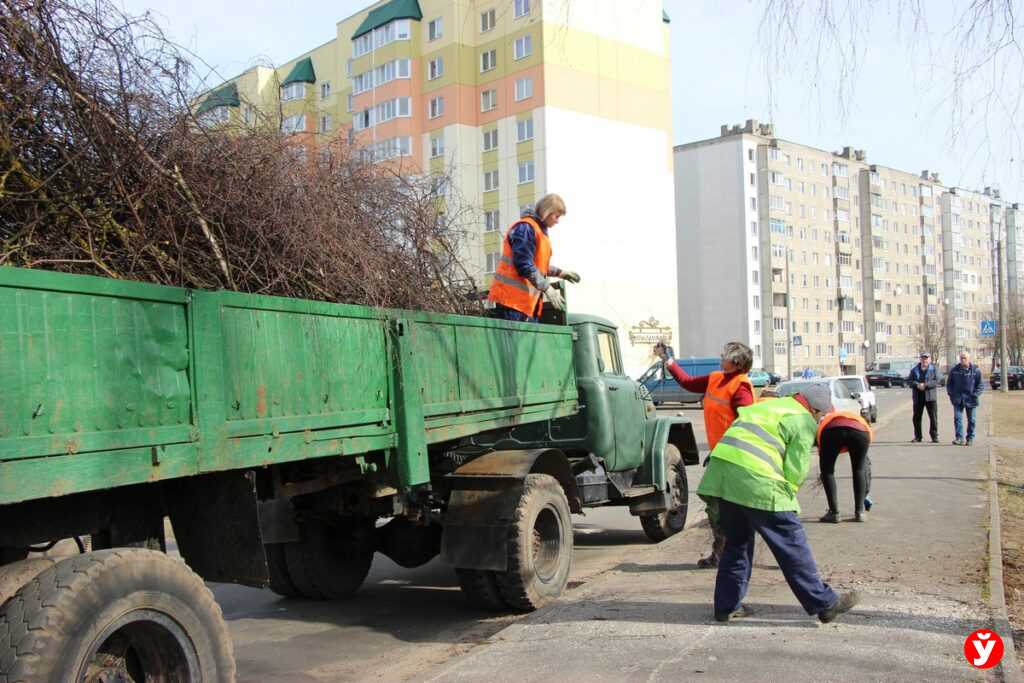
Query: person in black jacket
x: 923, y: 380
x: 964, y: 386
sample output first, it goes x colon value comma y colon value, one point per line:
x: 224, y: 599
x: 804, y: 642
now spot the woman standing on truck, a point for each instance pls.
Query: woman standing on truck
x: 525, y: 265
x: 725, y: 392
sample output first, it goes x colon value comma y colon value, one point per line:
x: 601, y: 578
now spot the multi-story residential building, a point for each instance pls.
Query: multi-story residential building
x: 508, y: 100
x: 819, y: 259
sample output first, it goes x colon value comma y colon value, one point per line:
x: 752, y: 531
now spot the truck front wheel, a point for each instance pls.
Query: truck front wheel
x: 123, y: 614
x: 661, y: 526
x: 539, y: 546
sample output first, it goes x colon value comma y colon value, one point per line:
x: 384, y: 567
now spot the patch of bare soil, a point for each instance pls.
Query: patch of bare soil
x: 1008, y: 422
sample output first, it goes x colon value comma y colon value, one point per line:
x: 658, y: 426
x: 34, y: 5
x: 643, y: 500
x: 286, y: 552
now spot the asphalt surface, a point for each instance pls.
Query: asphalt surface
x: 921, y: 564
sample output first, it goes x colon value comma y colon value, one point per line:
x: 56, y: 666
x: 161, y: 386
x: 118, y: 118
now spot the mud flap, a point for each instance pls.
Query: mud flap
x: 476, y: 528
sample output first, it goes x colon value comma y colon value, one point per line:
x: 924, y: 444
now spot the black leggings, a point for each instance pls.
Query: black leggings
x: 856, y: 442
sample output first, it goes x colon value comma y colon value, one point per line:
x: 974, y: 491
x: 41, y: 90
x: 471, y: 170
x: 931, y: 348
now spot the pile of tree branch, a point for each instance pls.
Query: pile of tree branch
x: 103, y: 170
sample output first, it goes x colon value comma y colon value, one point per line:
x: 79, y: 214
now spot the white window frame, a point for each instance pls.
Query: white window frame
x: 488, y: 60
x: 523, y: 46
x: 491, y: 180
x: 436, y: 107
x: 487, y: 20
x: 489, y: 100
x: 520, y: 8
x: 435, y: 29
x: 492, y: 221
x: 526, y: 172
x: 325, y: 90
x: 490, y: 139
x: 524, y: 130
x: 324, y: 124
x: 437, y: 146
x: 293, y: 91
x: 435, y: 68
x: 293, y: 124
x: 524, y: 88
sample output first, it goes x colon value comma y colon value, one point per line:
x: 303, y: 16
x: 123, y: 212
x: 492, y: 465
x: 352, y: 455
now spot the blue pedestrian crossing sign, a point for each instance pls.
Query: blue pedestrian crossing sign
x: 988, y: 328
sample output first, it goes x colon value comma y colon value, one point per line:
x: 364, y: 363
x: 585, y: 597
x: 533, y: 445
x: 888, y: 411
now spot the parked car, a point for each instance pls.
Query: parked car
x: 775, y: 377
x: 885, y: 378
x: 842, y: 399
x: 759, y: 378
x: 1014, y: 377
x: 861, y: 390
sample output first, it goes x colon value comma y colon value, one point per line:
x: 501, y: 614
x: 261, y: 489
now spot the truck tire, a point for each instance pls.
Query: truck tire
x: 874, y: 414
x: 121, y: 614
x: 480, y: 587
x: 661, y: 526
x: 277, y: 568
x: 330, y: 562
x: 539, y: 546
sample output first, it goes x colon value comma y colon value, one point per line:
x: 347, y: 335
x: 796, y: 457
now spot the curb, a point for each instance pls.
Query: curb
x: 1010, y: 666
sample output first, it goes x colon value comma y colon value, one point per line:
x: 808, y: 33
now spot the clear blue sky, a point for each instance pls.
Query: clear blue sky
x: 896, y: 108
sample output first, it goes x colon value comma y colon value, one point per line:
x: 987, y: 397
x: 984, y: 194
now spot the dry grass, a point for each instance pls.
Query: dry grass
x: 1008, y: 422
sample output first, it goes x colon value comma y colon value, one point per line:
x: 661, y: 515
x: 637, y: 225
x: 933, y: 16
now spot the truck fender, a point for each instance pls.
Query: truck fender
x: 680, y: 435
x: 484, y: 496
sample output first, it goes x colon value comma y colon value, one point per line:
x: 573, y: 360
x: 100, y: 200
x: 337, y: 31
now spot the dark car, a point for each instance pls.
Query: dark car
x: 774, y: 377
x: 1014, y: 378
x: 885, y: 378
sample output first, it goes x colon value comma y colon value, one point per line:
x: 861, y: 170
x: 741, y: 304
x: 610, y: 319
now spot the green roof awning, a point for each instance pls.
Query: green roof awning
x: 664, y: 17
x: 225, y: 97
x: 396, y: 9
x: 303, y: 71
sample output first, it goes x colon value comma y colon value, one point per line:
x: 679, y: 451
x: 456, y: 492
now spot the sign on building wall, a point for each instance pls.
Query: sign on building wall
x: 650, y: 331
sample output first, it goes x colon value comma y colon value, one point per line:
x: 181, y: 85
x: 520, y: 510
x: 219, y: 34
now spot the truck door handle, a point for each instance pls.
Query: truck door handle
x: 613, y: 388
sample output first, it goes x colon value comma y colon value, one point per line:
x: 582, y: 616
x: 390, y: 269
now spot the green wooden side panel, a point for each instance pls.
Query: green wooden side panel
x: 85, y: 371
x: 288, y: 370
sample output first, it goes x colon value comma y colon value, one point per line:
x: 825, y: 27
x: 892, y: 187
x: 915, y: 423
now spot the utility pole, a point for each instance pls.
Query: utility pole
x: 1002, y: 307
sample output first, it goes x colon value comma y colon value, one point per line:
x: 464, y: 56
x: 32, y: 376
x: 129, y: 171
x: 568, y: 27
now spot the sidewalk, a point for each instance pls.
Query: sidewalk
x: 920, y: 564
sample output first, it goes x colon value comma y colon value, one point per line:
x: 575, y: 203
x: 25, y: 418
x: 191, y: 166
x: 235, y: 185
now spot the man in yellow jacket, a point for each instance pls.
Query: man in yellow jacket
x: 755, y: 471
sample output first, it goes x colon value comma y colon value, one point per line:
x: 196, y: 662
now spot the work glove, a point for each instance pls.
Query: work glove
x: 570, y: 275
x: 555, y: 297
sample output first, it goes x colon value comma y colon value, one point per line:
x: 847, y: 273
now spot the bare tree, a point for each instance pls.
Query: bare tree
x: 104, y: 170
x: 931, y: 336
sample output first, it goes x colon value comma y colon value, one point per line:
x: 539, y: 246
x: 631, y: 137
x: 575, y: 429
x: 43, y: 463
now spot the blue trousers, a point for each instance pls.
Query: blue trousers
x: 958, y: 420
x: 787, y: 539
x: 505, y: 313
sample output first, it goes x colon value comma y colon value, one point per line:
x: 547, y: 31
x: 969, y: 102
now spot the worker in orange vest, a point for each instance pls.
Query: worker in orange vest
x: 725, y: 392
x: 840, y: 432
x: 521, y: 277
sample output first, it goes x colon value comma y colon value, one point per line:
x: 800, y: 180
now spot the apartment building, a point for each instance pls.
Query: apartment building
x: 823, y: 260
x: 507, y: 100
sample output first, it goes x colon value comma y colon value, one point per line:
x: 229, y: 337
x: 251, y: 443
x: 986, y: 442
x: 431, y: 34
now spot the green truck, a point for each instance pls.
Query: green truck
x: 287, y: 442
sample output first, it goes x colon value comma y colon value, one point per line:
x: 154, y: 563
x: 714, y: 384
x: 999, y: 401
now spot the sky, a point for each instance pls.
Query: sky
x: 896, y: 104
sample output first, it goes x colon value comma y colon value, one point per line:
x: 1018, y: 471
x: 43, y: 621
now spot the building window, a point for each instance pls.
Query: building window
x: 488, y: 99
x: 325, y: 90
x: 248, y: 114
x: 490, y: 181
x: 520, y: 8
x: 756, y: 302
x: 437, y: 146
x: 488, y: 60
x: 526, y: 172
x: 486, y: 21
x: 491, y: 262
x: 492, y: 221
x: 435, y: 68
x: 490, y: 139
x: 349, y: 103
x: 523, y: 46
x: 215, y: 116
x: 524, y: 88
x: 293, y: 91
x: 435, y: 29
x: 293, y: 124
x: 436, y: 107
x: 324, y: 124
x: 524, y: 130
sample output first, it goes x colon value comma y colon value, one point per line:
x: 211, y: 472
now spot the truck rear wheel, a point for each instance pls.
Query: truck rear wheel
x: 539, y: 546
x: 329, y: 562
x: 123, y: 614
x: 661, y: 526
x: 480, y: 586
x: 277, y: 568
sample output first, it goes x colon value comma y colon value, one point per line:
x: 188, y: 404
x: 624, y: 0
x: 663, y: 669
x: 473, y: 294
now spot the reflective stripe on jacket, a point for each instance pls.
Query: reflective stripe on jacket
x: 848, y: 415
x: 511, y: 289
x: 753, y: 441
x: 718, y: 410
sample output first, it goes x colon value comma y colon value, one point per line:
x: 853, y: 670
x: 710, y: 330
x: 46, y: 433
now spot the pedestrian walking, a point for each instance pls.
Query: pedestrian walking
x: 845, y: 432
x: 964, y: 387
x: 923, y: 381
x: 725, y: 392
x: 755, y: 471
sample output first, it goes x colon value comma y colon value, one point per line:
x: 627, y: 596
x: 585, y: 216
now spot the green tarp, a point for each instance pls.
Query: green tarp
x: 396, y: 9
x: 303, y: 72
x: 225, y: 97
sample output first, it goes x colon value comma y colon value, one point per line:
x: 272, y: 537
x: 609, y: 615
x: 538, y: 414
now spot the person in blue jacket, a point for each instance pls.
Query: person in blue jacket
x: 964, y: 386
x: 923, y: 381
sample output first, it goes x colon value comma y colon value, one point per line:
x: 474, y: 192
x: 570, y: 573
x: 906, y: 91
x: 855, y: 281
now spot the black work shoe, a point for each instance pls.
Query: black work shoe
x: 844, y: 604
x: 935, y: 439
x: 915, y: 440
x: 738, y: 613
x: 968, y: 442
x: 830, y: 518
x: 709, y: 562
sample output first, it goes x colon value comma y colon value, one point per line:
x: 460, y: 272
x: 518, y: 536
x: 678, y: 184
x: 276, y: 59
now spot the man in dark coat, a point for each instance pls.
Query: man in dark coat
x: 923, y: 380
x: 964, y: 386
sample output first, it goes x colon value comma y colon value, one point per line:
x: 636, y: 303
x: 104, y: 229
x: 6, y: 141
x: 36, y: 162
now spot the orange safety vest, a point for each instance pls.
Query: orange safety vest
x: 511, y: 289
x: 718, y: 411
x: 847, y: 414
